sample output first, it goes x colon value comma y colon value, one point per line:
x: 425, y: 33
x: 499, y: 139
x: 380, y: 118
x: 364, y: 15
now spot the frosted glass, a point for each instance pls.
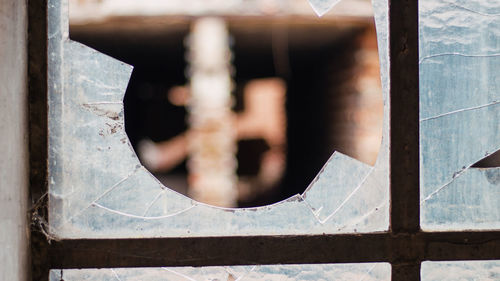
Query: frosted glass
x: 316, y: 272
x: 459, y: 113
x: 461, y: 270
x: 98, y: 188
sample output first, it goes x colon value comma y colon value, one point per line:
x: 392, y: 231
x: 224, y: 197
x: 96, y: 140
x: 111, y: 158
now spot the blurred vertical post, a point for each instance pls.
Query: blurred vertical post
x: 212, y: 140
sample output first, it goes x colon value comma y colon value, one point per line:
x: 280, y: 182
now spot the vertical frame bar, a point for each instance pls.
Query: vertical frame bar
x: 37, y: 75
x: 404, y: 130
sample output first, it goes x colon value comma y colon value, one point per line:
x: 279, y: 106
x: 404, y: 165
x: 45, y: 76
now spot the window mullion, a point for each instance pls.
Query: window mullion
x: 404, y: 107
x: 404, y: 130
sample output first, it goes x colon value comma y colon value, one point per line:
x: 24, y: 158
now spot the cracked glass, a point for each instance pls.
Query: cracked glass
x: 459, y: 113
x: 99, y: 189
x: 317, y: 272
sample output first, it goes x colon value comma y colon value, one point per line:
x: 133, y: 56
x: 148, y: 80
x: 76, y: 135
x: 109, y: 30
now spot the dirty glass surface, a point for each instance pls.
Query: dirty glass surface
x: 459, y: 113
x: 461, y: 270
x: 98, y: 188
x: 317, y: 272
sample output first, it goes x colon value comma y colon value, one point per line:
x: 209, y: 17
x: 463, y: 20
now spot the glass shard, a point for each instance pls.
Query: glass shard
x: 347, y: 272
x: 321, y: 7
x: 459, y: 113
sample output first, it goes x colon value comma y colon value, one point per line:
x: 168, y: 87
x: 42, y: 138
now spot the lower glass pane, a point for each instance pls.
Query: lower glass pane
x: 461, y: 270
x: 316, y: 272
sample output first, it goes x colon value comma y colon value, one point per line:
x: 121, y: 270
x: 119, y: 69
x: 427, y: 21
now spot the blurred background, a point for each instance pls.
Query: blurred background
x: 239, y: 103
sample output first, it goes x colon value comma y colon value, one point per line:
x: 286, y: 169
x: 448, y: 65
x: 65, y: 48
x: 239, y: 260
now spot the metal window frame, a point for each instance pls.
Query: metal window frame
x: 405, y: 246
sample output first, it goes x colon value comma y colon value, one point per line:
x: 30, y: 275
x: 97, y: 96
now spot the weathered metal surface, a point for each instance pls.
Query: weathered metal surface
x: 461, y: 270
x: 404, y: 147
x: 365, y: 271
x: 459, y: 113
x: 404, y: 151
x: 400, y: 250
x: 37, y: 74
x: 98, y: 189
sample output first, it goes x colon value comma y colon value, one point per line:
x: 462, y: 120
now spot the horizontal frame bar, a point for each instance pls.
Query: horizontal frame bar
x: 211, y: 251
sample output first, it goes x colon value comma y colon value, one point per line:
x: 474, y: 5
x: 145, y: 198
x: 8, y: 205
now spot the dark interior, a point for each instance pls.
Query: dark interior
x: 314, y: 59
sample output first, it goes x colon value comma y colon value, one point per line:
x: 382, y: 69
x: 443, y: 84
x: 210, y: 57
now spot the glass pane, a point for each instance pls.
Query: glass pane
x: 461, y: 270
x: 98, y: 188
x: 317, y: 272
x: 459, y: 113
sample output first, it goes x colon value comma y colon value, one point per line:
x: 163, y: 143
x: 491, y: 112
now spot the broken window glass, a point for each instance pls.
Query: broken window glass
x: 347, y: 272
x: 459, y: 113
x: 99, y: 189
x: 460, y: 270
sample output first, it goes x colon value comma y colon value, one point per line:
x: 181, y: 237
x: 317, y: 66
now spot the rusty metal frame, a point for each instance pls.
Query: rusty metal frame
x: 402, y: 250
x: 405, y: 246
